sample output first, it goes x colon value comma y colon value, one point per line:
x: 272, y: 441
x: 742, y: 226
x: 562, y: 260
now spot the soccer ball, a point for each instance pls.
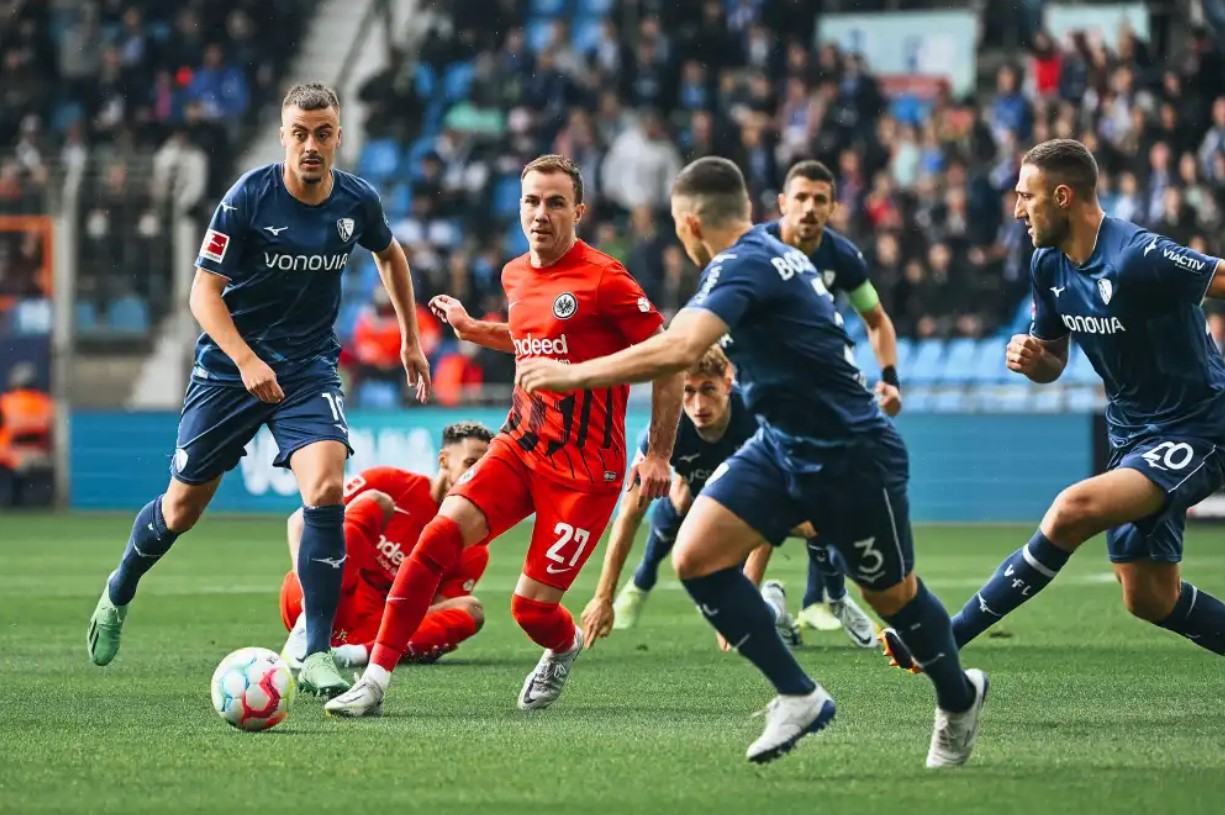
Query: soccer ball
x: 253, y: 689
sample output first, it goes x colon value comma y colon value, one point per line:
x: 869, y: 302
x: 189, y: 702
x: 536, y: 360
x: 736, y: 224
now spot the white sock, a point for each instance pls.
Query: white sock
x: 378, y: 675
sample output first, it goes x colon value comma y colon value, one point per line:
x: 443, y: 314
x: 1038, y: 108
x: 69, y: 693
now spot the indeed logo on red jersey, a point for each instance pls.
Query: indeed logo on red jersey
x: 531, y: 346
x: 391, y: 551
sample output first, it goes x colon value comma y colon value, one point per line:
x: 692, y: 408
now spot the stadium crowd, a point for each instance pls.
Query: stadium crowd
x: 924, y: 185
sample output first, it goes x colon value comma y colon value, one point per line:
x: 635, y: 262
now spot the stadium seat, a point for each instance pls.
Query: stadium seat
x: 951, y: 400
x: 506, y: 197
x: 1085, y: 400
x: 417, y: 151
x: 918, y: 401
x: 457, y: 81
x: 905, y: 349
x: 927, y: 366
x: 959, y: 364
x: 379, y: 161
x: 585, y: 33
x: 378, y: 395
x: 346, y: 320
x: 549, y: 8
x: 538, y: 32
x: 128, y: 315
x: 854, y: 326
x: 598, y: 7
x: 426, y: 80
x: 1047, y: 400
x: 989, y: 362
x: 400, y: 201
x: 86, y: 316
x: 1013, y: 399
x: 1021, y: 318
x: 33, y: 316
x: 515, y: 242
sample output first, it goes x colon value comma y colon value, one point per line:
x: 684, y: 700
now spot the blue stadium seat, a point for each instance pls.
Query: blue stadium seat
x: 1021, y: 318
x: 950, y: 401
x: 86, y: 316
x: 585, y: 33
x: 549, y: 8
x: 865, y: 359
x: 457, y: 81
x: 959, y: 364
x: 905, y: 349
x: 515, y: 242
x: 506, y: 197
x: 598, y: 7
x: 33, y: 316
x: 379, y: 161
x: 1080, y: 369
x: 1013, y: 400
x: 919, y: 401
x: 346, y: 320
x: 1047, y: 400
x: 128, y: 315
x: 538, y: 32
x: 378, y: 396
x: 426, y: 80
x: 989, y: 362
x: 1084, y: 399
x: 400, y: 201
x: 417, y: 151
x: 927, y: 366
x: 854, y: 325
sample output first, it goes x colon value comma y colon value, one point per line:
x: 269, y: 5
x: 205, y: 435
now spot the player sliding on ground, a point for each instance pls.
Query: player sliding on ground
x: 561, y: 456
x: 1132, y: 299
x: 267, y: 292
x: 825, y: 453
x: 714, y: 424
x: 385, y: 511
x: 808, y: 199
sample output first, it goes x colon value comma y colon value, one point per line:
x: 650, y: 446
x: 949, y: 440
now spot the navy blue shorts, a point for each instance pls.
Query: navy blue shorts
x: 219, y: 421
x: 1188, y: 470
x: 855, y: 497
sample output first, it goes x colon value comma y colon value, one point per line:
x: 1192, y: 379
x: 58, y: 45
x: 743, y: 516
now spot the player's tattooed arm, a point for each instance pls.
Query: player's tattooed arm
x: 213, y: 315
x: 394, y: 271
x: 691, y: 333
x: 482, y: 332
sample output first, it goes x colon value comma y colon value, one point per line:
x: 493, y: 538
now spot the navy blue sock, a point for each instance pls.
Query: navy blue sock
x: 150, y: 539
x: 321, y: 557
x: 826, y: 581
x: 924, y: 626
x: 1199, y: 617
x: 734, y: 606
x: 658, y: 547
x: 1023, y: 574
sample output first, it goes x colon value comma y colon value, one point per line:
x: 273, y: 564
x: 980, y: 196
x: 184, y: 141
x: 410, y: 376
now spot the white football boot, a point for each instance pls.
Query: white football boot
x: 365, y: 698
x: 855, y: 622
x: 954, y: 734
x: 775, y: 596
x: 544, y: 685
x: 789, y: 719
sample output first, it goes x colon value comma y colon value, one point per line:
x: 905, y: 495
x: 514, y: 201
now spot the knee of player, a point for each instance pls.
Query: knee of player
x: 180, y: 515
x: 688, y: 564
x: 1073, y: 517
x: 890, y: 601
x: 1148, y: 602
x: 476, y: 611
x: 327, y: 491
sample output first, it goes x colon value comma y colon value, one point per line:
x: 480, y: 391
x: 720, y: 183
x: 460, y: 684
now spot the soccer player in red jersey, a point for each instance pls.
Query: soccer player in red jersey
x: 559, y: 456
x: 385, y: 510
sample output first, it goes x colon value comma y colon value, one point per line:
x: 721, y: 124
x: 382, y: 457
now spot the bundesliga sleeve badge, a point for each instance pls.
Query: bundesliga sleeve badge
x: 214, y: 246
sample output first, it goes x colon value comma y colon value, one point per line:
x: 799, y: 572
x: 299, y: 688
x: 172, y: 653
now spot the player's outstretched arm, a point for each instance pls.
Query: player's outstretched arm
x: 1042, y: 361
x: 654, y: 472
x: 482, y: 332
x: 213, y: 315
x: 692, y: 332
x: 598, y: 616
x: 394, y: 271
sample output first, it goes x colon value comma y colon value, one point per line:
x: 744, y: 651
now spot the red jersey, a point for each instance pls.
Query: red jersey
x: 582, y: 307
x: 377, y: 554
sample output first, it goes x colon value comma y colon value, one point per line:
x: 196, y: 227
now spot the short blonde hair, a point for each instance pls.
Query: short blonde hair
x: 714, y: 363
x: 554, y: 163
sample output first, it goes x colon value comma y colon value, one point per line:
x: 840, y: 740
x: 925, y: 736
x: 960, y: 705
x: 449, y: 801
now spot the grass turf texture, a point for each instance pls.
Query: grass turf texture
x: 1090, y: 710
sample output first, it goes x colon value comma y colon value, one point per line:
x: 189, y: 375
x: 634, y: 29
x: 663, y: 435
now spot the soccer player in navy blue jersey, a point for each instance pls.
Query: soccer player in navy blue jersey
x: 826, y: 453
x: 808, y: 199
x: 267, y: 292
x: 1132, y: 301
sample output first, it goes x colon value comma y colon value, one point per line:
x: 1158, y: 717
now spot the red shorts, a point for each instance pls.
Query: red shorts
x: 357, y: 617
x: 569, y: 523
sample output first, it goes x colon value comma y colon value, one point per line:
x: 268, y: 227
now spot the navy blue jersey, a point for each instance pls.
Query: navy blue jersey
x: 1134, y: 308
x: 283, y: 260
x: 694, y: 458
x: 837, y: 259
x: 793, y: 359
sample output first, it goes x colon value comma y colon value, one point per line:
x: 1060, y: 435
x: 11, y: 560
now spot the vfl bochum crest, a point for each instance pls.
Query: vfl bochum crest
x: 345, y: 227
x: 1106, y: 289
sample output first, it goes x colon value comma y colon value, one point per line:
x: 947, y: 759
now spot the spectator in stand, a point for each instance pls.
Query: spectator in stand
x: 27, y: 417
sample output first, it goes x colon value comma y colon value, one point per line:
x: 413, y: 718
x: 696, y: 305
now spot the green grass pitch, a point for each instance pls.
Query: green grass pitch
x: 1090, y: 710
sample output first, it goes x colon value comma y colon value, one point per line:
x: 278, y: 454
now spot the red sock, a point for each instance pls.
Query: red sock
x: 442, y: 629
x: 548, y: 624
x: 439, y: 547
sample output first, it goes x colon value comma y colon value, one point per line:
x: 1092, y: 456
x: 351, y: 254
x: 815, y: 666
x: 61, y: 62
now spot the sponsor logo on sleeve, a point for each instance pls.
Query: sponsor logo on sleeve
x: 215, y: 245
